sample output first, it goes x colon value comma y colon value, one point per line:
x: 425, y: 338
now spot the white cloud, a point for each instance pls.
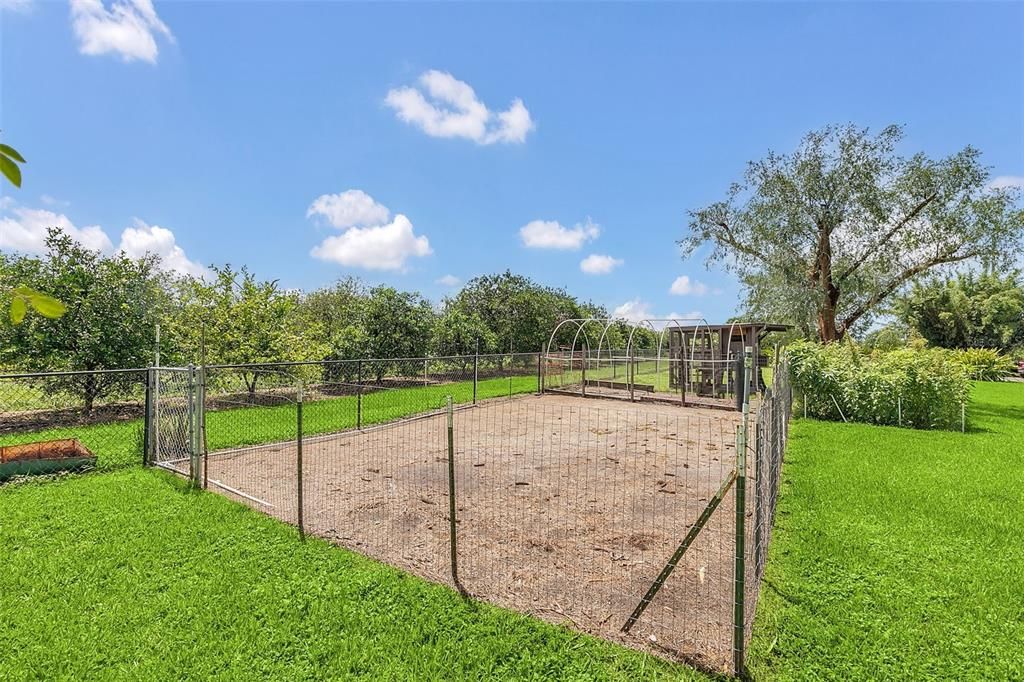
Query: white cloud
x: 26, y: 231
x: 367, y: 240
x: 453, y: 110
x: 634, y: 311
x: 1007, y: 182
x: 684, y: 286
x: 550, y: 234
x: 352, y: 208
x: 141, y: 239
x: 691, y: 317
x: 596, y: 264
x: 381, y: 247
x: 449, y: 281
x: 638, y: 310
x: 126, y: 29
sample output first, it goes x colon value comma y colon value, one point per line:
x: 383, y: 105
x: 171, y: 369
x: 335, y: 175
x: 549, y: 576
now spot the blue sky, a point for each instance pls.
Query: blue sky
x: 239, y: 131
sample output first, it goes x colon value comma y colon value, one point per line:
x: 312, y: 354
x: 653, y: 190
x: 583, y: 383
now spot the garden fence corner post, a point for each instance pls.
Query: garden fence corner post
x: 452, y: 539
x: 300, y: 521
x: 739, y: 576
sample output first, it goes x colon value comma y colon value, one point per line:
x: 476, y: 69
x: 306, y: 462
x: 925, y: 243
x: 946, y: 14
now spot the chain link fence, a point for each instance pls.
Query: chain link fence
x: 104, y: 412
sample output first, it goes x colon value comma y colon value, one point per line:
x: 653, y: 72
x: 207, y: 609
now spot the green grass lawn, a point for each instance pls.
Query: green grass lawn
x: 119, y: 444
x: 129, y: 575
x: 898, y: 554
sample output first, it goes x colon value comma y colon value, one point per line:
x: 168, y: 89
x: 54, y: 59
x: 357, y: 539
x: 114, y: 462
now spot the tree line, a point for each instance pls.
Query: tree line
x: 114, y: 304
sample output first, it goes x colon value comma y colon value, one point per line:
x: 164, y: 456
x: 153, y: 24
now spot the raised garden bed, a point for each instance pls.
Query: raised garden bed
x: 44, y: 457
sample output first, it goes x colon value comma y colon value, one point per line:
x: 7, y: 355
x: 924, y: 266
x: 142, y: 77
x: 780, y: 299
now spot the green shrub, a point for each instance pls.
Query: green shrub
x: 985, y: 364
x: 918, y: 387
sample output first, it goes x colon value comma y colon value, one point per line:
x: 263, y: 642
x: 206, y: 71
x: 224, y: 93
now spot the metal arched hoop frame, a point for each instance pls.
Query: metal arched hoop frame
x: 581, y: 324
x: 676, y: 321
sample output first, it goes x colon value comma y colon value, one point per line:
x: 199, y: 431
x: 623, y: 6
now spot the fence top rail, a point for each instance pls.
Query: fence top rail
x: 264, y: 366
x: 422, y: 358
x: 79, y: 372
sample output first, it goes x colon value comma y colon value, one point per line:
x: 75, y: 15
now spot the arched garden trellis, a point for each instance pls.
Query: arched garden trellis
x: 566, y: 358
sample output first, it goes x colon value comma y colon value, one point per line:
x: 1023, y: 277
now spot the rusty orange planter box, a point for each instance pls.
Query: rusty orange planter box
x: 44, y: 457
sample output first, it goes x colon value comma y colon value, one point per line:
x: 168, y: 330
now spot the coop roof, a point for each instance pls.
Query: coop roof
x: 736, y: 327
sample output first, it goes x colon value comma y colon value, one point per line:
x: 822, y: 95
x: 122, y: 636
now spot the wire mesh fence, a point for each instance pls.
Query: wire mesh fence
x: 619, y: 520
x: 626, y: 520
x: 770, y: 435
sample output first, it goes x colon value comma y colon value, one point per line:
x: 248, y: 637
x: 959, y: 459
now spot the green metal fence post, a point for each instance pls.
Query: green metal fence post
x: 758, y: 454
x: 453, y: 542
x: 739, y: 582
x: 298, y: 463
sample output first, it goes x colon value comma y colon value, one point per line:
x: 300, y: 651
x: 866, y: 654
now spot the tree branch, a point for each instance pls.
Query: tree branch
x: 731, y: 240
x: 888, y: 235
x: 899, y: 281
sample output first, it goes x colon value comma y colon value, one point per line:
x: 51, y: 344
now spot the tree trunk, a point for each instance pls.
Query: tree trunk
x: 251, y: 385
x: 90, y: 393
x: 822, y: 276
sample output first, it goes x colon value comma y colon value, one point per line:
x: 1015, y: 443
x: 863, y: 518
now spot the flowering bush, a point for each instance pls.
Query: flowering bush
x: 919, y: 387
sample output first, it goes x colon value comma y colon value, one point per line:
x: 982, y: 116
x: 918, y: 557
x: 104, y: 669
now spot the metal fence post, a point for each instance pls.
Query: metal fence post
x: 451, y: 493
x: 156, y: 414
x: 201, y: 404
x: 476, y: 370
x: 540, y: 373
x: 193, y: 454
x: 758, y: 501
x: 583, y: 374
x: 739, y: 582
x: 298, y: 462
x: 147, y: 422
x: 359, y: 394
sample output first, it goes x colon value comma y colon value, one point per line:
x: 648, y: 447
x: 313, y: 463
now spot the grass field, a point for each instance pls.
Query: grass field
x: 897, y: 555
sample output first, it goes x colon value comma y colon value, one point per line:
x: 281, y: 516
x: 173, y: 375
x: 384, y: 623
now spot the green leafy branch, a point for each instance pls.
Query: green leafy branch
x: 9, y: 160
x: 23, y: 297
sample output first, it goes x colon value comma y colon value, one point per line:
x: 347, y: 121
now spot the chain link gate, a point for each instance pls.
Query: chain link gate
x: 173, y: 419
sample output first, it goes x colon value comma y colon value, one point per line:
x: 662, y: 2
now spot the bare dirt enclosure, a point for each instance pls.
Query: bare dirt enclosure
x: 566, y: 508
